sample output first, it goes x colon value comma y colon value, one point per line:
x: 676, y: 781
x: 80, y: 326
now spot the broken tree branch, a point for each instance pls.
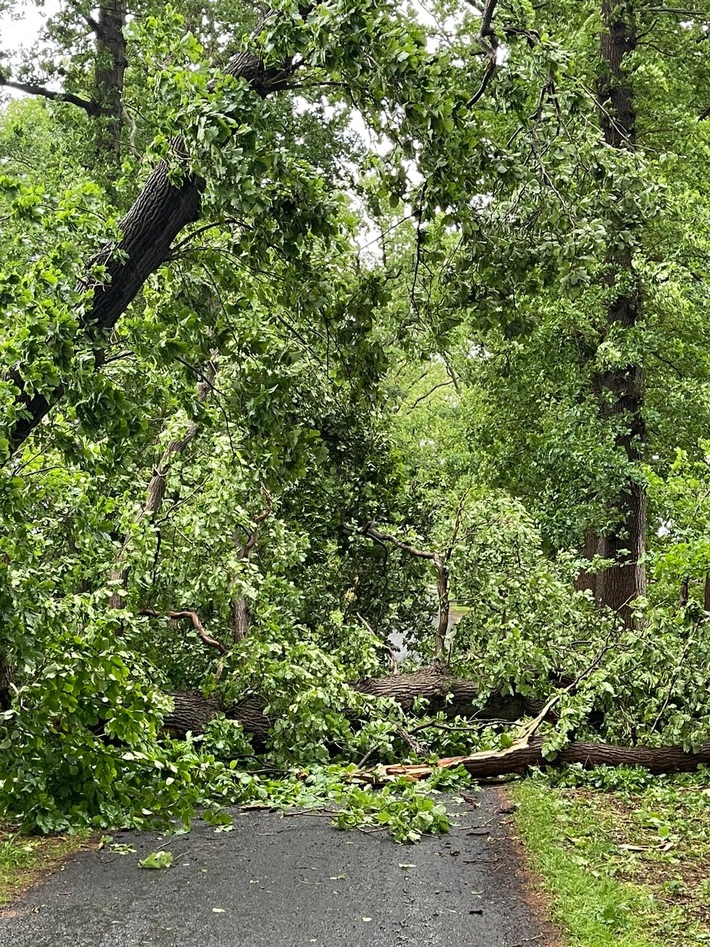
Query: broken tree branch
x: 196, y: 624
x: 489, y: 42
x: 30, y: 88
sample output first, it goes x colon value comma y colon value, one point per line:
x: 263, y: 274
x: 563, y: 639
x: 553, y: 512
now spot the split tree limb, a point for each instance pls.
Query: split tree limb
x: 442, y: 585
x: 518, y: 760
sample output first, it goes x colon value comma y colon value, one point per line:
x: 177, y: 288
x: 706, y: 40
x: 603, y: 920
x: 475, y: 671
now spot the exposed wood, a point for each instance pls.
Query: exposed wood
x: 519, y: 759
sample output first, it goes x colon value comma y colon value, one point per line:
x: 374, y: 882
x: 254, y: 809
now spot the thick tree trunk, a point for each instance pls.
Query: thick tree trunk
x: 620, y: 389
x: 447, y: 694
x: 518, y: 760
x: 193, y: 712
x: 161, y: 211
x: 444, y: 693
x: 587, y: 581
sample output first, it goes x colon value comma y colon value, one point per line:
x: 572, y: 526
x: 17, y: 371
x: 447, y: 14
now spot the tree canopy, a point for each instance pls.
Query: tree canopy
x: 337, y: 337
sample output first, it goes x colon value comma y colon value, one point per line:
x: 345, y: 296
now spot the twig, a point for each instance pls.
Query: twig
x: 196, y: 624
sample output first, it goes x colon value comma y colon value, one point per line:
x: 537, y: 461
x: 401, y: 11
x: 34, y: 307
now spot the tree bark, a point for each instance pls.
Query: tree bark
x: 116, y: 275
x: 518, y: 760
x: 587, y: 581
x: 108, y: 78
x: 620, y: 389
x: 444, y: 693
x: 193, y: 712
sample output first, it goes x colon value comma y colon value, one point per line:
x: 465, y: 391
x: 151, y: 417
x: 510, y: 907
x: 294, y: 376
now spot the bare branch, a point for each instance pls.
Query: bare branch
x: 489, y: 41
x: 374, y: 533
x: 442, y: 585
x: 91, y: 108
x: 196, y: 624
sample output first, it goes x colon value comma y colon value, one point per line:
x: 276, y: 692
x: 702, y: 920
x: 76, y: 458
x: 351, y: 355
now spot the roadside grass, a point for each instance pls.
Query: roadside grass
x: 25, y: 858
x: 624, y: 856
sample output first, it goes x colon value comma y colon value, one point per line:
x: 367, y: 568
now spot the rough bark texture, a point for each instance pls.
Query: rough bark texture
x: 432, y: 683
x: 587, y: 581
x: 520, y: 758
x: 448, y: 694
x: 108, y: 77
x: 620, y: 389
x: 662, y: 759
x: 193, y: 711
x: 161, y: 211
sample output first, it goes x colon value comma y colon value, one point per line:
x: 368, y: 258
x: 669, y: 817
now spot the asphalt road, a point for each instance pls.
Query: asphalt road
x: 290, y: 881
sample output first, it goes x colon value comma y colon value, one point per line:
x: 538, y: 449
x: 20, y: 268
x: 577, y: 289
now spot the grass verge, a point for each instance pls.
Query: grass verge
x: 24, y: 859
x: 626, y: 867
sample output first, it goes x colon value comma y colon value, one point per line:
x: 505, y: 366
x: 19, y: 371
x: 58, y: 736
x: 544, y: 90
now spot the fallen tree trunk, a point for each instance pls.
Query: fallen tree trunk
x: 450, y: 695
x: 453, y: 696
x: 517, y: 760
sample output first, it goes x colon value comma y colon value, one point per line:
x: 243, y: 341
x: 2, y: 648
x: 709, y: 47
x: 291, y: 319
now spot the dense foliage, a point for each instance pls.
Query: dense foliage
x: 394, y: 300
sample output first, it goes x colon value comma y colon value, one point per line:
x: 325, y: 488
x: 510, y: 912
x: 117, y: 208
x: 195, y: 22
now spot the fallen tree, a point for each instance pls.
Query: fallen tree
x: 518, y: 759
x: 192, y: 712
x: 444, y: 693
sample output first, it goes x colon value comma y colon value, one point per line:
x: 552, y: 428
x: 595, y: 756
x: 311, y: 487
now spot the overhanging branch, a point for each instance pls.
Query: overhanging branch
x: 91, y: 108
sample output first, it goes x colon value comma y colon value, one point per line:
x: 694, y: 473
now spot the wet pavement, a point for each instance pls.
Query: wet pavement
x: 291, y: 881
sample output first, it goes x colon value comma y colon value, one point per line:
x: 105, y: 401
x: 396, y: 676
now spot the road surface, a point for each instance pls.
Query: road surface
x: 291, y: 881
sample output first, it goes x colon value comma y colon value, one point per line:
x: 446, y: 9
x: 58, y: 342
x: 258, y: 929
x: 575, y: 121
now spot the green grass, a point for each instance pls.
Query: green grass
x: 572, y: 847
x: 24, y: 859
